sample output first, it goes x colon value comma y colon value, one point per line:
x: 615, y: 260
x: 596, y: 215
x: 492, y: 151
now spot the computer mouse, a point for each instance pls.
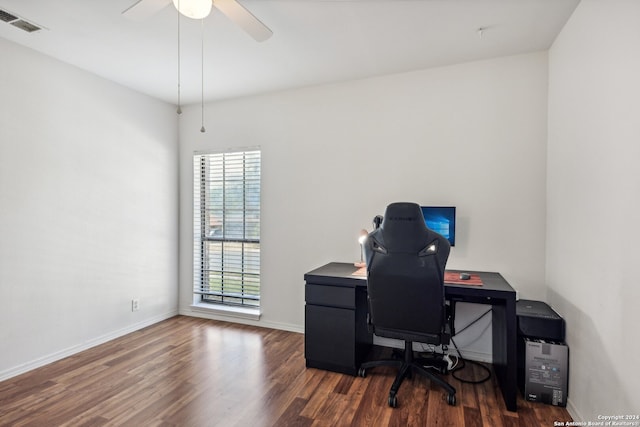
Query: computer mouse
x: 465, y: 276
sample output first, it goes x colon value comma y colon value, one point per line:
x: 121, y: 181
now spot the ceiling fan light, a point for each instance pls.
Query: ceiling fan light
x: 195, y: 9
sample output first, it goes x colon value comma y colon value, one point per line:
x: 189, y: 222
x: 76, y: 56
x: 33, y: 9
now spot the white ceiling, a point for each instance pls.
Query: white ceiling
x: 313, y: 42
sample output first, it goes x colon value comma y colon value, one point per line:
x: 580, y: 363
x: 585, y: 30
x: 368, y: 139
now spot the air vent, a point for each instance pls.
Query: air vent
x: 6, y: 16
x: 24, y: 25
x: 18, y: 22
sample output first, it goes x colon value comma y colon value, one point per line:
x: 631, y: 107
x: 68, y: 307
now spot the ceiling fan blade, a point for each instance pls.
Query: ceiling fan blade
x: 244, y: 19
x: 143, y: 9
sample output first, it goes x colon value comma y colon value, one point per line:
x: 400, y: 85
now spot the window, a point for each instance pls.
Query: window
x: 226, y: 195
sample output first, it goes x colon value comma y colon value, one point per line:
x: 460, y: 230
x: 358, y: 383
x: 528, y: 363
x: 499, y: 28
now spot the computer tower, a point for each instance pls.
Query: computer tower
x: 538, y: 324
x: 546, y: 372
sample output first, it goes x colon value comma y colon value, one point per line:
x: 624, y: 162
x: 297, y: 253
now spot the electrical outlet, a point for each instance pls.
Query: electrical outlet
x: 135, y: 304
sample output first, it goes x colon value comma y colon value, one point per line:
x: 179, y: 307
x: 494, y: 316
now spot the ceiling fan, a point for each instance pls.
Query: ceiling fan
x: 198, y: 9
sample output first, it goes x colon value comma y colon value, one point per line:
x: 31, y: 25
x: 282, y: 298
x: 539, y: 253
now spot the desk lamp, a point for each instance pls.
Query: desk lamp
x: 363, y: 236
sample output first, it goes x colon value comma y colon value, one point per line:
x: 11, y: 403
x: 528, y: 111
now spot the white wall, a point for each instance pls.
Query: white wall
x: 88, y: 209
x: 470, y: 135
x: 593, y: 203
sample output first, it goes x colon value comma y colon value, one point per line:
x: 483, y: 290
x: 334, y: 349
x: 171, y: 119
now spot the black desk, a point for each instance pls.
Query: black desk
x: 337, y: 337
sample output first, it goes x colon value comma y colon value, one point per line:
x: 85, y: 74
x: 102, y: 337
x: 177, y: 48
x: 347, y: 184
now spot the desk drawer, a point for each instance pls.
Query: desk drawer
x: 331, y: 296
x: 330, y: 337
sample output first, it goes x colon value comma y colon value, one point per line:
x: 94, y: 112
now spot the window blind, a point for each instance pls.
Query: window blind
x: 226, y: 194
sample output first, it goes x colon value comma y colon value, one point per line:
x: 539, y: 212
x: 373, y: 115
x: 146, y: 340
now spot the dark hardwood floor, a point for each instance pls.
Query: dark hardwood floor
x: 195, y: 372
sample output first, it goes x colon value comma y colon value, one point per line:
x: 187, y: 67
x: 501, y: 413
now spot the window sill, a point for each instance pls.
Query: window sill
x: 239, y: 312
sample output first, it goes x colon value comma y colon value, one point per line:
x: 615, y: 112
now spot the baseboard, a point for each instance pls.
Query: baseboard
x: 244, y: 321
x: 573, y: 411
x: 53, y: 357
x: 476, y: 356
x: 466, y: 354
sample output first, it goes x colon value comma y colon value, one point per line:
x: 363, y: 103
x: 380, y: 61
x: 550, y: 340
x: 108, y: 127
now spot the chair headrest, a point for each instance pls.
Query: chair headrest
x: 403, y: 216
x: 403, y: 227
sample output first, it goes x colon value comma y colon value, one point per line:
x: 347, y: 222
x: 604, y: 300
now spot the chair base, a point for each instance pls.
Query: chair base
x: 406, y: 368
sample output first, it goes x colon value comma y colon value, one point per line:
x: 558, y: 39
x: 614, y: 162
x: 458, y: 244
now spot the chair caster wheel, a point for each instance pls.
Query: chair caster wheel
x: 393, y: 401
x: 451, y: 399
x: 362, y: 372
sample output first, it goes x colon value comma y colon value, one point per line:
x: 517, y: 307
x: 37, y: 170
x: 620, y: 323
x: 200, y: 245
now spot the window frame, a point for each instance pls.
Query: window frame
x: 235, y: 282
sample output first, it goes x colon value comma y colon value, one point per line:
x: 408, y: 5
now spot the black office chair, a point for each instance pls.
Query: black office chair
x: 405, y: 283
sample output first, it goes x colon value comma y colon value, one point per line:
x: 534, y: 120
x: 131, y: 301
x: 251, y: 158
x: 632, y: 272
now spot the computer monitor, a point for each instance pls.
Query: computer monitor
x: 442, y: 220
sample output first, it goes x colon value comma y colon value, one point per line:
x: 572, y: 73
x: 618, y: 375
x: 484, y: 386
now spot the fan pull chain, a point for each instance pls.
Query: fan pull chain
x: 179, y: 110
x: 202, y: 129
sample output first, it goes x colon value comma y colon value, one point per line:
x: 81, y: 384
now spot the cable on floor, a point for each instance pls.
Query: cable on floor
x: 471, y: 362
